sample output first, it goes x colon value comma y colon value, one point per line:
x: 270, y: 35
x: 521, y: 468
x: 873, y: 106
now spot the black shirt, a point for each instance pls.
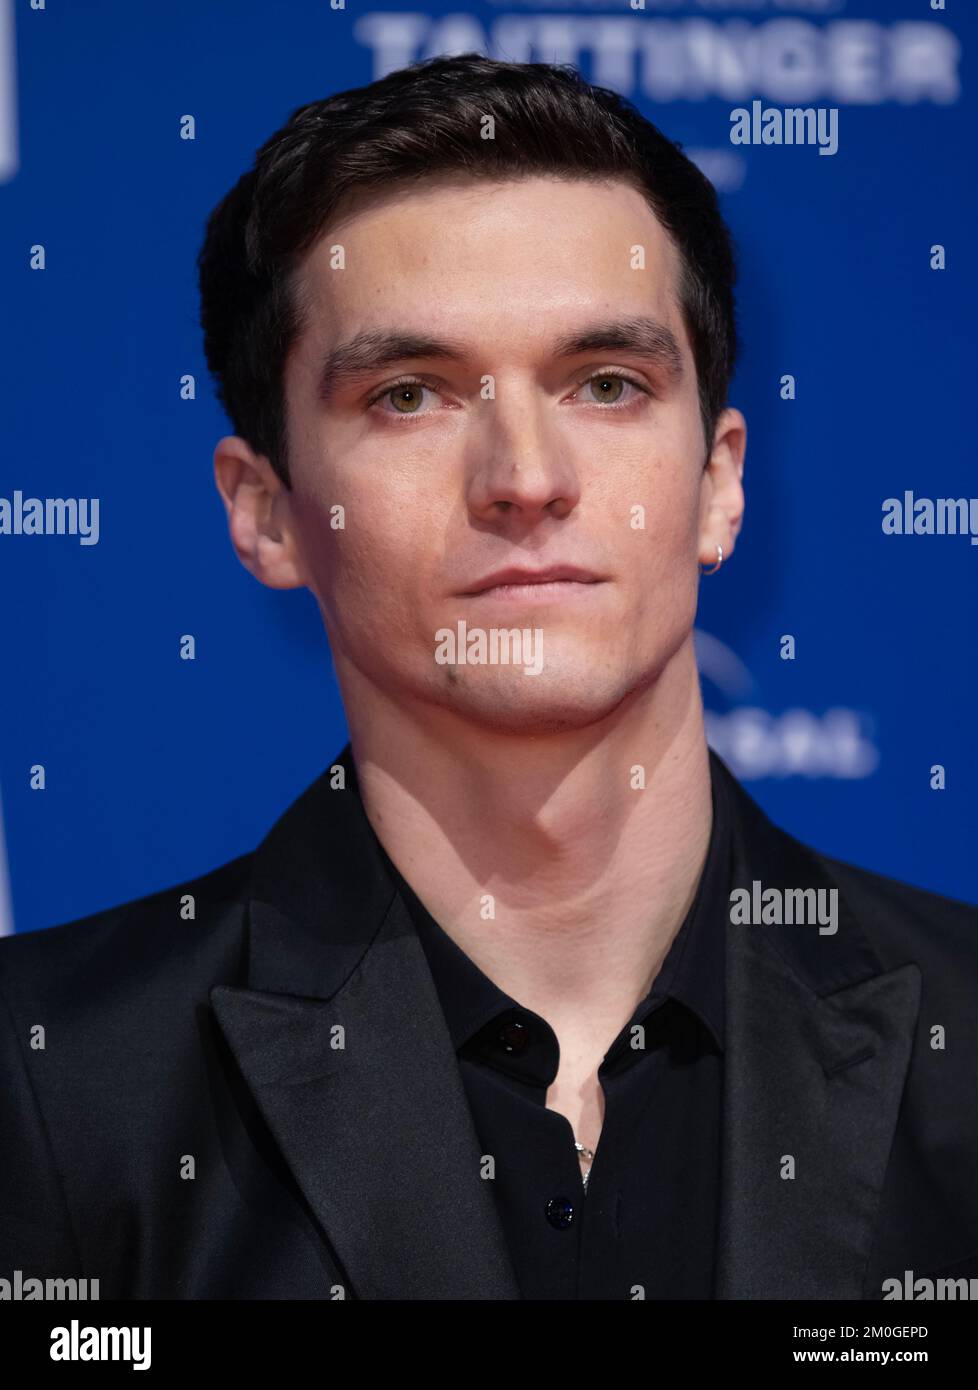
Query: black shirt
x: 645, y: 1226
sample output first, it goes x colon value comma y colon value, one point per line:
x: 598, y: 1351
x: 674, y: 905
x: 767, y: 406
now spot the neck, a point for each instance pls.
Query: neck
x: 540, y: 856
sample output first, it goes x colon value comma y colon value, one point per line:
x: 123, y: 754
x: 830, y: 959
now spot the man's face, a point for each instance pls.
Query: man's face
x: 508, y: 455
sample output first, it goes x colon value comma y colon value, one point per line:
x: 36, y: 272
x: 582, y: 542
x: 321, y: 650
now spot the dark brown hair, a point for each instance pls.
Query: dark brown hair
x: 418, y: 122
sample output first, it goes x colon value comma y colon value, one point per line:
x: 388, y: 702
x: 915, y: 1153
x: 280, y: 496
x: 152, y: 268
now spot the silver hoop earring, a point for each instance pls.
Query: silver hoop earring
x: 718, y: 563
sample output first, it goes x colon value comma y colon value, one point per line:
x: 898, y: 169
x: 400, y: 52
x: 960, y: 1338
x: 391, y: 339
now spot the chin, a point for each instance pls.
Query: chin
x: 525, y: 704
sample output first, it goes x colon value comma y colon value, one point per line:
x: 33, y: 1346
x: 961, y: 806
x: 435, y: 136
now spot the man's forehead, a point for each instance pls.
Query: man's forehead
x: 537, y: 295
x: 464, y: 232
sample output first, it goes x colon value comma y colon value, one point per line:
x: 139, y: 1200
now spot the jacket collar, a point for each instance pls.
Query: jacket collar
x: 818, y: 1047
x: 341, y: 1038
x: 320, y: 890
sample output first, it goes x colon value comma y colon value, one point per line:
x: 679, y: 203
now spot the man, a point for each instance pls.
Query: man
x: 524, y: 997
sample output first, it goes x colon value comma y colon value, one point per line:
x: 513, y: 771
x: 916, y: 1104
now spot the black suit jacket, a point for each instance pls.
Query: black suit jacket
x: 263, y: 1101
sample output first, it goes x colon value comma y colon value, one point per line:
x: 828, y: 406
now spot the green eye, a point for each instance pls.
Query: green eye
x: 609, y: 387
x: 405, y: 398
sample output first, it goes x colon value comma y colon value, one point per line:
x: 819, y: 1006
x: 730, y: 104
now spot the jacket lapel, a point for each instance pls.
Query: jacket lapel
x: 817, y: 1049
x: 341, y: 1039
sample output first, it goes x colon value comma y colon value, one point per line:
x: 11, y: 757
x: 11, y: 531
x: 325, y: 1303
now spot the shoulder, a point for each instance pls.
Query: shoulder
x: 902, y: 921
x: 174, y: 930
x: 906, y: 921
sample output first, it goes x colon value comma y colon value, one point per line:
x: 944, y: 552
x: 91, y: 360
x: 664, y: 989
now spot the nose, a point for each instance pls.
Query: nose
x: 523, y: 467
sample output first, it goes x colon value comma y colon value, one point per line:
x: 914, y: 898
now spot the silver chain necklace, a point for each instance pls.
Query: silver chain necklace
x: 586, y: 1155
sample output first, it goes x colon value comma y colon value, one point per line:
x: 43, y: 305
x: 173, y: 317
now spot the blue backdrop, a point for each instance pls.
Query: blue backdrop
x: 157, y: 769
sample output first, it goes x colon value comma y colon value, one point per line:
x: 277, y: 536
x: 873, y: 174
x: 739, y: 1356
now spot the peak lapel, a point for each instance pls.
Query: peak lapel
x: 817, y: 1049
x: 342, y: 1041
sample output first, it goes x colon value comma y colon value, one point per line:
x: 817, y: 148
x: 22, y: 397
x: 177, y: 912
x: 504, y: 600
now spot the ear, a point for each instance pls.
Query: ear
x: 722, y: 496
x: 256, y: 501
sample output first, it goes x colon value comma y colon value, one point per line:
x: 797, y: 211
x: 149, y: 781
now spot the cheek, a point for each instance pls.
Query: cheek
x: 364, y: 569
x: 667, y: 488
x: 665, y: 582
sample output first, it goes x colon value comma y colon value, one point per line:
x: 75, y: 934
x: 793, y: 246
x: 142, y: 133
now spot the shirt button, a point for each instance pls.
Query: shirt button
x: 560, y: 1213
x: 514, y: 1038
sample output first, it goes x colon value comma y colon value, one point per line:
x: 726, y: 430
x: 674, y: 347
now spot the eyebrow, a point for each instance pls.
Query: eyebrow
x: 366, y: 352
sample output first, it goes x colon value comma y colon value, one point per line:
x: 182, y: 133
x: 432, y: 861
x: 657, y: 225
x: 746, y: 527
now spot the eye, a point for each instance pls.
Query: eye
x: 612, y: 389
x: 608, y: 388
x: 403, y: 397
